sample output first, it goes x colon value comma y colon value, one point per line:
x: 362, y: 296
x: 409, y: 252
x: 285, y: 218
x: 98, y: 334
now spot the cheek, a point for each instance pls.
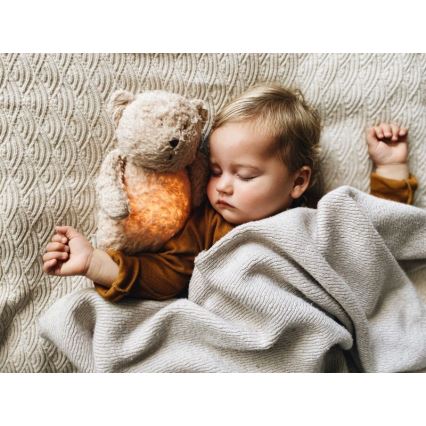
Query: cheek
x: 210, y: 189
x: 262, y: 193
x: 249, y: 194
x: 256, y: 188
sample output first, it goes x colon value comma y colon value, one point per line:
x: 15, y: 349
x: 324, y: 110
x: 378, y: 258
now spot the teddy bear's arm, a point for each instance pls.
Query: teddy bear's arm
x: 110, y: 186
x: 198, y: 175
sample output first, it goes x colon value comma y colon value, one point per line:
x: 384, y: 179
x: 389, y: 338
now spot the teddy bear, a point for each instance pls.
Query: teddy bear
x: 148, y: 184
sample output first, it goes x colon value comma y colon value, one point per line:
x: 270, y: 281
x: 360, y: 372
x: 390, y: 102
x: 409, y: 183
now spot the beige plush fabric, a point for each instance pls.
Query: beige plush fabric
x: 55, y: 132
x: 146, y: 185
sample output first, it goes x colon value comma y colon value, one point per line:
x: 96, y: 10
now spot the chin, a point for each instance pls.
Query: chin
x: 233, y: 219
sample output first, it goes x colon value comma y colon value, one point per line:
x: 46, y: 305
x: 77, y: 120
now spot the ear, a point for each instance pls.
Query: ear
x: 118, y: 102
x: 301, y: 182
x: 201, y: 108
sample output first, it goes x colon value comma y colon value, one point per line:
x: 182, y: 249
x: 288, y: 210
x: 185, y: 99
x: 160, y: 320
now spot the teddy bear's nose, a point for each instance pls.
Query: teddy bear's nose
x: 174, y: 143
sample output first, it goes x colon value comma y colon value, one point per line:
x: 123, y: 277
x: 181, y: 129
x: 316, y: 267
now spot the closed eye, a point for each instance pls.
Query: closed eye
x: 246, y: 178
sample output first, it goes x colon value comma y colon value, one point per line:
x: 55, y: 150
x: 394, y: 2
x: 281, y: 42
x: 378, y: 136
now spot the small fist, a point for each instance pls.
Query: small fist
x: 68, y: 253
x: 387, y: 144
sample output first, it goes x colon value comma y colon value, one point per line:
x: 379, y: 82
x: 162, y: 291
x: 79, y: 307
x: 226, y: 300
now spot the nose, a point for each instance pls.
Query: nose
x: 174, y: 143
x: 224, y: 185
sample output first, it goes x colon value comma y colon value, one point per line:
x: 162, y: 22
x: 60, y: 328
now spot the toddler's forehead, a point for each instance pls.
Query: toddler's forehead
x: 246, y: 136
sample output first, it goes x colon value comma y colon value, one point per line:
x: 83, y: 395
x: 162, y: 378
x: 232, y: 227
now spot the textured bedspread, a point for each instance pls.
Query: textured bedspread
x: 306, y: 290
x: 55, y: 132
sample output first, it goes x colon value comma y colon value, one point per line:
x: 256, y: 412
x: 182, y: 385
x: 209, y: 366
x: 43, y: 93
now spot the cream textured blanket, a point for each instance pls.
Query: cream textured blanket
x: 55, y: 132
x: 306, y: 290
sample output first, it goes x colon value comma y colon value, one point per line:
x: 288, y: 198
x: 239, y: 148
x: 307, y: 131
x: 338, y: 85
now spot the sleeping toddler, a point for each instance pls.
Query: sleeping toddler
x: 264, y: 155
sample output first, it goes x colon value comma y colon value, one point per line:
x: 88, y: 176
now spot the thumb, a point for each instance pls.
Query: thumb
x: 68, y: 231
x: 371, y: 135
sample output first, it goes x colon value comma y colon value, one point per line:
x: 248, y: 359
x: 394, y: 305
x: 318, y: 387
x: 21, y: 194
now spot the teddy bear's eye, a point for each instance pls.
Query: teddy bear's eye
x: 174, y: 142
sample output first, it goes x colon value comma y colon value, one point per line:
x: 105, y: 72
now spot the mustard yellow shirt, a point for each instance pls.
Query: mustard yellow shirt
x: 166, y: 274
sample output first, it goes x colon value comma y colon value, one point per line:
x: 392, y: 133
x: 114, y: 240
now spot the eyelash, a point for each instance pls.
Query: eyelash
x: 240, y: 177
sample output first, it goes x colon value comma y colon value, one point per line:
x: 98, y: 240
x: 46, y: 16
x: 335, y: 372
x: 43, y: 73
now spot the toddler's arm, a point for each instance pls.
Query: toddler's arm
x: 157, y: 276
x: 166, y: 274
x: 388, y: 148
x: 70, y: 253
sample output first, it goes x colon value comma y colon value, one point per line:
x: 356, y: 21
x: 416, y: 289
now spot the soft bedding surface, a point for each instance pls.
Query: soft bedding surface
x: 324, y: 290
x: 55, y: 131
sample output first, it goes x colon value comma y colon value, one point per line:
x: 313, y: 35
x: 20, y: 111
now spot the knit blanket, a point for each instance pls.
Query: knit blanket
x: 324, y: 290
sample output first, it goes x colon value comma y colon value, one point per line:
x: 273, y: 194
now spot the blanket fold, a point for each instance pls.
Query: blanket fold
x: 305, y: 290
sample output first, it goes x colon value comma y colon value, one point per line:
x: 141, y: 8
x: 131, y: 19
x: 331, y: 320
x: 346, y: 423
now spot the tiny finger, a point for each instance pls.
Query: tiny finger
x: 387, y: 130
x: 67, y: 231
x: 395, y: 131
x: 60, y: 229
x: 379, y: 132
x: 49, y: 265
x: 57, y: 247
x: 58, y: 238
x: 60, y: 255
x: 370, y: 134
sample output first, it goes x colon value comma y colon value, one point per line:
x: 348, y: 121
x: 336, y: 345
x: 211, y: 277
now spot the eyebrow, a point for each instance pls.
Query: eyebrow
x: 237, y: 165
x: 246, y: 166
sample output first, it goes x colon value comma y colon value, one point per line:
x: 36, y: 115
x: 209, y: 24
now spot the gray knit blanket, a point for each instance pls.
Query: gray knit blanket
x: 324, y: 290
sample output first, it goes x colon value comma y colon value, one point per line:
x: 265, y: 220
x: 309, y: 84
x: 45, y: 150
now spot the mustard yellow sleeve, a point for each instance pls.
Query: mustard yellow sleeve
x: 392, y: 189
x: 165, y: 274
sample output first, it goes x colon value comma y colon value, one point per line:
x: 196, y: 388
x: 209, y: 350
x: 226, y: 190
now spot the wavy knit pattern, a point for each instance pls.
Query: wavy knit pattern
x: 55, y: 131
x: 282, y: 294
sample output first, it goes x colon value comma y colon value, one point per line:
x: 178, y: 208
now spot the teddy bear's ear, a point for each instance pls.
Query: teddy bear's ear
x: 200, y: 105
x: 118, y: 102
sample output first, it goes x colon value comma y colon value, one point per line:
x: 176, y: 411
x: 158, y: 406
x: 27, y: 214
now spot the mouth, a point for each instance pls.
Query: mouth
x: 223, y: 203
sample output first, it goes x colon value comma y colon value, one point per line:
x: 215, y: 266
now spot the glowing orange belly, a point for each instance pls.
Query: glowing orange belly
x: 159, y: 206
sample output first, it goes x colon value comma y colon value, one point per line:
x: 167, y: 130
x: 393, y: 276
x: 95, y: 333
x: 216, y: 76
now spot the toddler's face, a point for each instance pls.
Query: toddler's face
x: 248, y: 180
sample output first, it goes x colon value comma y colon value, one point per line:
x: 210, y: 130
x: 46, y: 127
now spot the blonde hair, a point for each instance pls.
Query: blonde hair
x: 284, y: 114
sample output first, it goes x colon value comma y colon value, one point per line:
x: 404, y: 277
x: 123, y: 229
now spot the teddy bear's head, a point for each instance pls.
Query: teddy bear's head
x: 158, y: 130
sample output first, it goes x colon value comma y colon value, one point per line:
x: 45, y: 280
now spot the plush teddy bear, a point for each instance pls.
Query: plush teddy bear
x: 148, y: 185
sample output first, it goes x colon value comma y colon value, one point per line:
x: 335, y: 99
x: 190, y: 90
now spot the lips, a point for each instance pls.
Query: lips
x: 223, y: 203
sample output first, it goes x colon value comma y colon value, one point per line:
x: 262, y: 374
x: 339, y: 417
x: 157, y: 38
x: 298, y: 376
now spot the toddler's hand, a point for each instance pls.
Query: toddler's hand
x: 387, y: 144
x: 68, y: 253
